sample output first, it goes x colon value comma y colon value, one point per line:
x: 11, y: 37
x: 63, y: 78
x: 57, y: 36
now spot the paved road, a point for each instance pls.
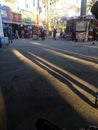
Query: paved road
x: 53, y: 79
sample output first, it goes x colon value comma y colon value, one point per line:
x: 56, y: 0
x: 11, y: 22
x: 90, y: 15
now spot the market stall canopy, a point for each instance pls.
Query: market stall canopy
x: 89, y: 17
x: 74, y: 17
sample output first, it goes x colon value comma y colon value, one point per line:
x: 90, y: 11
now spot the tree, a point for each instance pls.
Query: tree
x: 11, y: 1
x: 51, y: 1
x: 56, y: 9
x: 90, y: 4
x: 50, y: 12
x: 48, y: 3
x: 74, y: 8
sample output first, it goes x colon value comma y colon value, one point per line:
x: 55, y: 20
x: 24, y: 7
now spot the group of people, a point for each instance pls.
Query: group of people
x: 12, y: 33
x: 60, y: 34
x: 8, y: 32
x: 22, y: 32
x: 40, y: 33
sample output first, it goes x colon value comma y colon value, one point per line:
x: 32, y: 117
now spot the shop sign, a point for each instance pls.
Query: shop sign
x: 27, y: 20
x: 2, y: 41
x: 1, y: 27
x: 3, y: 13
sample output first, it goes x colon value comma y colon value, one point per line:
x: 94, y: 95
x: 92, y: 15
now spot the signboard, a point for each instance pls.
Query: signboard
x: 1, y: 27
x: 3, y: 13
x: 1, y: 32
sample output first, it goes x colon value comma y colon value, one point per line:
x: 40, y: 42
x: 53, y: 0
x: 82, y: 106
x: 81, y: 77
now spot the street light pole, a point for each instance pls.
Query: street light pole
x: 83, y: 7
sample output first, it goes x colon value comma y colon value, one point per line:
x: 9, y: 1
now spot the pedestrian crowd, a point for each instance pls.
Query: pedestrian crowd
x: 29, y: 32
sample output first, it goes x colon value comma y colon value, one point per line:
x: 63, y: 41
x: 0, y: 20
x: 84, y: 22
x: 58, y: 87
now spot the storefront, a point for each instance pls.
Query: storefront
x: 26, y: 17
x: 16, y: 18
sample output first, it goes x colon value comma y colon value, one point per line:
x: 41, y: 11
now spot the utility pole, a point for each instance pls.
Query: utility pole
x: 38, y: 6
x: 83, y: 7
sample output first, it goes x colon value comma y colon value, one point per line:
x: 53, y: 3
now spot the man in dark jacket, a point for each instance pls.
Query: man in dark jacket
x: 94, y: 10
x: 10, y: 34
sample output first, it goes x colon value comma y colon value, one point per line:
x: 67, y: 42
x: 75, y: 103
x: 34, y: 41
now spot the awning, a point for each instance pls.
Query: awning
x: 9, y: 22
x: 15, y: 23
x: 5, y: 21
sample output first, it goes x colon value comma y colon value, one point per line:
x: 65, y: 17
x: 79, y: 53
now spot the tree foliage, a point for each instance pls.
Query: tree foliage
x: 90, y: 4
x: 74, y: 8
x: 51, y: 1
x: 11, y: 1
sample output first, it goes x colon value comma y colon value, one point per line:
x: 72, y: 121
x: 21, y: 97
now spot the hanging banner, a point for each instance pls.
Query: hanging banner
x: 81, y: 26
x: 1, y: 27
x: 1, y: 32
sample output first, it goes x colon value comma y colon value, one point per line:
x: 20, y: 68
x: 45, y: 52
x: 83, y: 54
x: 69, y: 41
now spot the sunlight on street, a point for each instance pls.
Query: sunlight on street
x: 63, y: 89
x: 87, y: 63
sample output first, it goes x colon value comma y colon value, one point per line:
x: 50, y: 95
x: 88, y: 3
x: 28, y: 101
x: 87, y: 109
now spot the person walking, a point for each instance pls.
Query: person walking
x: 42, y: 34
x: 10, y: 34
x: 54, y: 33
x: 16, y: 34
x: 94, y: 35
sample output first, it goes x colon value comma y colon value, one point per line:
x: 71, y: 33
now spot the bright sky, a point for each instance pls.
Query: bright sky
x: 67, y: 4
x: 64, y: 4
x: 61, y: 6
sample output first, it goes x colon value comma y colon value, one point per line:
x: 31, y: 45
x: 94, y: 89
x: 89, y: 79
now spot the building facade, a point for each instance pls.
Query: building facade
x: 23, y: 10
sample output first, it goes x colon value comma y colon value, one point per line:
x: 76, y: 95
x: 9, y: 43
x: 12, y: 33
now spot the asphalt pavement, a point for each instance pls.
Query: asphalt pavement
x: 52, y: 79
